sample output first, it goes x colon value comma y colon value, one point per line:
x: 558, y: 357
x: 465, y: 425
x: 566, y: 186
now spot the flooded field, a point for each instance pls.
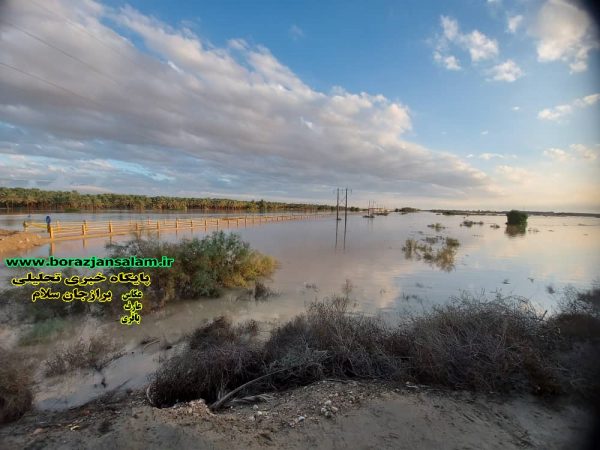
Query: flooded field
x: 316, y: 258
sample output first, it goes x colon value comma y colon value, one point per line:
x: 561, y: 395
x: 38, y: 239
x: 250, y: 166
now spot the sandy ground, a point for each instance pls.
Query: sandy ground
x: 325, y: 415
x: 11, y: 241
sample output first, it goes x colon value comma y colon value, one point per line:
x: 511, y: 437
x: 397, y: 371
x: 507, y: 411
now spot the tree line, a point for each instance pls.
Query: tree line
x: 37, y: 199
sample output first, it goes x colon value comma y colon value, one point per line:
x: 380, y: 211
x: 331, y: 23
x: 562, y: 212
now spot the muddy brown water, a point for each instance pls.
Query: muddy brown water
x: 316, y: 258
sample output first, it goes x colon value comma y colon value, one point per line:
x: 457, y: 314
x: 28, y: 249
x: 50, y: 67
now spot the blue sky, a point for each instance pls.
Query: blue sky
x: 473, y: 104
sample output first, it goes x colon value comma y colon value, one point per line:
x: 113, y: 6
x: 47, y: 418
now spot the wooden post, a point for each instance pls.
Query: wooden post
x: 137, y: 226
x: 158, y: 225
x: 192, y: 223
x: 83, y: 229
x: 51, y: 231
x: 110, y: 228
x: 85, y: 224
x: 176, y: 224
x: 217, y: 224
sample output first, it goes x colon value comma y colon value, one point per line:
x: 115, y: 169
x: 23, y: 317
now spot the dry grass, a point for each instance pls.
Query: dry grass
x: 15, y: 387
x: 93, y: 353
x: 498, y: 344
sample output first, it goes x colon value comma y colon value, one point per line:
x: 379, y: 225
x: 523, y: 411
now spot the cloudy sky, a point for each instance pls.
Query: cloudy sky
x: 470, y: 104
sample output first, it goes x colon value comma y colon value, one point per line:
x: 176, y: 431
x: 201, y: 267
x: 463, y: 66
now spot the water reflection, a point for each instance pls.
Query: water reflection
x: 515, y: 230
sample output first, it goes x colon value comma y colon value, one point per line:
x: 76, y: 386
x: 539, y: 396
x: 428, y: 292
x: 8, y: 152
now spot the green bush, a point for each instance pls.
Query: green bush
x: 515, y: 217
x: 202, y: 267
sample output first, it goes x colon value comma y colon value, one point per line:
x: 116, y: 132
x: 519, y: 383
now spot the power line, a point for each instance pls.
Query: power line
x: 48, y: 82
x: 58, y: 49
x: 78, y: 26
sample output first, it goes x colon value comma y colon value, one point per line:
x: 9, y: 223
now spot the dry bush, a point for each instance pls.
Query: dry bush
x: 15, y: 387
x: 496, y: 344
x: 218, y: 358
x: 474, y: 343
x: 93, y: 353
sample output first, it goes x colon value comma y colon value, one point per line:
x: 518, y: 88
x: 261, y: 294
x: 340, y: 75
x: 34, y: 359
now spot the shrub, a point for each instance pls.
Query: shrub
x: 93, y: 353
x: 15, y: 387
x: 42, y: 331
x: 517, y: 218
x: 202, y: 267
x: 496, y: 344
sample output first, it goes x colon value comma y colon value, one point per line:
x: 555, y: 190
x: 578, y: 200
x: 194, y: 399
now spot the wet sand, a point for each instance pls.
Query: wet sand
x: 12, y: 241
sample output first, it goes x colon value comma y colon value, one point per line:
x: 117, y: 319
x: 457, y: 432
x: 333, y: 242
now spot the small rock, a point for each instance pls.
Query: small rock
x: 301, y: 418
x: 259, y: 413
x: 255, y: 407
x: 251, y: 419
x: 327, y: 414
x: 334, y: 409
x: 328, y: 403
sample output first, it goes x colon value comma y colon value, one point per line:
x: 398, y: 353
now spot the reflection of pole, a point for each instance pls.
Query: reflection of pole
x: 346, y: 209
x: 337, y: 208
x: 336, y: 233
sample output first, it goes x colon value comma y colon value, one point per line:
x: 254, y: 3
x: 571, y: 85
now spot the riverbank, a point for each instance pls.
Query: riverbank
x: 13, y: 241
x: 324, y: 415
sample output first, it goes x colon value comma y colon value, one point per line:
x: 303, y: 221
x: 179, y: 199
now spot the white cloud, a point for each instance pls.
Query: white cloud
x: 489, y: 156
x: 565, y: 33
x: 557, y: 154
x: 449, y: 62
x: 575, y: 152
x: 513, y: 23
x: 484, y: 132
x: 558, y: 112
x: 296, y: 32
x: 507, y: 71
x: 516, y: 108
x: 588, y: 100
x: 192, y: 115
x: 478, y: 45
x: 515, y: 174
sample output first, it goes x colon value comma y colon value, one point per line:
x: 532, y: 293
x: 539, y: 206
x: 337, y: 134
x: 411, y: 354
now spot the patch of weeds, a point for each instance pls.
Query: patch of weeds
x: 43, y: 331
x: 470, y: 223
x: 436, y: 226
x: 15, y: 386
x: 93, y: 353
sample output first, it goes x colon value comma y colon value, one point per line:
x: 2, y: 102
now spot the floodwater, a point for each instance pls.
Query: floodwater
x: 316, y: 258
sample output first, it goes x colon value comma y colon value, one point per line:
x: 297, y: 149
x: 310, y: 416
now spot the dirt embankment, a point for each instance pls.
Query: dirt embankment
x: 11, y: 240
x: 324, y: 415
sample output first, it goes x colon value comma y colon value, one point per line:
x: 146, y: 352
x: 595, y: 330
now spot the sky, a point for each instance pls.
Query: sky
x: 472, y: 104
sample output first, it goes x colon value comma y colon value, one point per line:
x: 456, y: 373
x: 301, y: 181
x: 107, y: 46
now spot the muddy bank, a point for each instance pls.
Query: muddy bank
x: 325, y: 415
x: 12, y: 241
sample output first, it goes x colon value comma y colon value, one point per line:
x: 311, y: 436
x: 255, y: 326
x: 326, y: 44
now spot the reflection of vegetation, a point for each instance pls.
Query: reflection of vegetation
x: 436, y: 226
x: 494, y: 226
x: 515, y: 230
x: 15, y: 386
x: 500, y: 344
x: 443, y: 257
x: 517, y: 218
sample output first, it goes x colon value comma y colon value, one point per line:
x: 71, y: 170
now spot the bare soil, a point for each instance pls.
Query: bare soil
x: 326, y: 415
x: 11, y: 240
